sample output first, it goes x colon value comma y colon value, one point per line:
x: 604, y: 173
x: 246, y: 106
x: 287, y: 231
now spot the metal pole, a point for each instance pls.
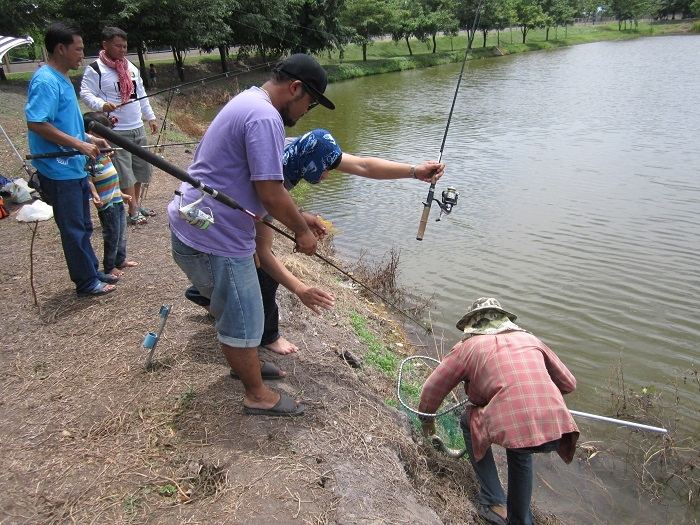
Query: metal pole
x: 595, y: 417
x: 618, y: 421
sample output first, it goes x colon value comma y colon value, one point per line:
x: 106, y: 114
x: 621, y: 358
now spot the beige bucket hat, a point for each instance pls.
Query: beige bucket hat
x: 481, y: 304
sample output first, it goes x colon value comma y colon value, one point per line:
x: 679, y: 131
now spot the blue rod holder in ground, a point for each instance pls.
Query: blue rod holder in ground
x: 151, y: 339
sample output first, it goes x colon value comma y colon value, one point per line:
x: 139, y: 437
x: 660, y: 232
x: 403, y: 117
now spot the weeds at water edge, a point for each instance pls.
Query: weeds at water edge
x: 667, y: 467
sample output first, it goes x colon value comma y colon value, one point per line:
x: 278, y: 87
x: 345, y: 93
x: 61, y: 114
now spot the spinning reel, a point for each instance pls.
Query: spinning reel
x: 195, y: 215
x: 449, y: 199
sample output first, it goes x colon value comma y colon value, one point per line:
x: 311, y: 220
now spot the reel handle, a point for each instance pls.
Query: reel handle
x: 423, y: 222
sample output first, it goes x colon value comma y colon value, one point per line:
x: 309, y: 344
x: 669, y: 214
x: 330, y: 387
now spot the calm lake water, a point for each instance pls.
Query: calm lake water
x: 579, y: 178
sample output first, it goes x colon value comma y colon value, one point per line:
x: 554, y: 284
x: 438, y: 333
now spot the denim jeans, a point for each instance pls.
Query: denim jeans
x: 520, y: 474
x: 268, y: 290
x: 113, y: 221
x: 71, y: 211
x: 231, y: 285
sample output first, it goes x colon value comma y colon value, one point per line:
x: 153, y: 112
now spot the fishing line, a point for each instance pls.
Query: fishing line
x: 450, y: 197
x: 161, y: 132
x: 201, y: 81
x: 182, y: 175
x: 227, y: 74
x: 249, y: 69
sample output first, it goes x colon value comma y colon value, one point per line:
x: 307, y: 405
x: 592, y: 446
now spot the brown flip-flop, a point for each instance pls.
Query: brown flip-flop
x: 285, y: 407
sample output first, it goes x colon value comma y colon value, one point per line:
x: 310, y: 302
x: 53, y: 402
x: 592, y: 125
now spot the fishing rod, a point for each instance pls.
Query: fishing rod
x: 71, y: 153
x: 450, y: 195
x: 19, y: 155
x: 201, y: 81
x: 182, y: 175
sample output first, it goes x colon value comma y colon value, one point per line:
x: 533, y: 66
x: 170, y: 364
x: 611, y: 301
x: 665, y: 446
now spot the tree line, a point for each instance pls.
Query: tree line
x: 273, y: 27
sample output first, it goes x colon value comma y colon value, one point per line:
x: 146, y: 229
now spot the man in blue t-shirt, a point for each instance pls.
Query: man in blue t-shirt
x: 56, y: 124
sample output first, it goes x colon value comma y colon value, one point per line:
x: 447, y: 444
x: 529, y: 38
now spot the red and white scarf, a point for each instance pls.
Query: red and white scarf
x: 122, y: 66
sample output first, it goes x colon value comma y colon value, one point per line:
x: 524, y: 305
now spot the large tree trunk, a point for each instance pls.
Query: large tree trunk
x: 364, y: 52
x: 498, y: 37
x: 546, y: 34
x: 179, y: 62
x: 142, y: 66
x: 410, y: 51
x: 484, y: 32
x: 223, y: 55
x: 523, y: 30
x: 434, y: 42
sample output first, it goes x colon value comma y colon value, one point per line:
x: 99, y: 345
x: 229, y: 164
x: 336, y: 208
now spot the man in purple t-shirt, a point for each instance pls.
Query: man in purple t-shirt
x: 241, y: 155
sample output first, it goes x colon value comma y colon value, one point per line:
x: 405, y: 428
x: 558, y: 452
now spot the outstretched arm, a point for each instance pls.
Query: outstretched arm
x: 381, y: 169
x: 313, y: 298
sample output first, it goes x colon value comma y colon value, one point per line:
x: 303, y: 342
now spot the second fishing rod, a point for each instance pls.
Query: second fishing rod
x: 450, y: 195
x: 183, y: 176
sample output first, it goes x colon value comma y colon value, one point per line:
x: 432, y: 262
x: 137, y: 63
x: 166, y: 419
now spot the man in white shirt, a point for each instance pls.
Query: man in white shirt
x: 113, y: 84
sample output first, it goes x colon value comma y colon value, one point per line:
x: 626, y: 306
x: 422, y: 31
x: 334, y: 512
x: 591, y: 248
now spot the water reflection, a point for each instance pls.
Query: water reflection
x: 578, y: 173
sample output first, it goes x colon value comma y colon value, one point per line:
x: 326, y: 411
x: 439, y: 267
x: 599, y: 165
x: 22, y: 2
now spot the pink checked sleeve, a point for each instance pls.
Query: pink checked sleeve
x: 444, y: 378
x: 565, y: 380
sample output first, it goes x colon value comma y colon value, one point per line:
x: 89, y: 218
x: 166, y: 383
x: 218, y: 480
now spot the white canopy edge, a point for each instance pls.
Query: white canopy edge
x: 9, y: 42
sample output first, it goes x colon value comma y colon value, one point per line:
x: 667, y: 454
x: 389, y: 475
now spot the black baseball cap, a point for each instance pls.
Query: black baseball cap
x: 306, y: 69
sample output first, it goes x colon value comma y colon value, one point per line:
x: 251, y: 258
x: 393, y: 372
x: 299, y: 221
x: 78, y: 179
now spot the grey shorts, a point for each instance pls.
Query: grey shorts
x: 131, y: 168
x: 231, y: 284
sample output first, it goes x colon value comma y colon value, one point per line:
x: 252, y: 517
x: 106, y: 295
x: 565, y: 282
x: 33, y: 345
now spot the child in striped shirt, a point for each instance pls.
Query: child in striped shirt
x: 109, y: 201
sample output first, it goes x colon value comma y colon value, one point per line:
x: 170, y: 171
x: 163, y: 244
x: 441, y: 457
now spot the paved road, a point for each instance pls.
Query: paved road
x: 164, y: 55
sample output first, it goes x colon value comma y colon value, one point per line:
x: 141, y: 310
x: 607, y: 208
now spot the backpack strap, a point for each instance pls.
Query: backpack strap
x: 94, y: 65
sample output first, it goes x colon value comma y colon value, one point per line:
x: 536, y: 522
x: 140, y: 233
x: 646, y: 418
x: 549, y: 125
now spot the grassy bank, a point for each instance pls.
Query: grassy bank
x: 386, y: 56
x: 386, y: 361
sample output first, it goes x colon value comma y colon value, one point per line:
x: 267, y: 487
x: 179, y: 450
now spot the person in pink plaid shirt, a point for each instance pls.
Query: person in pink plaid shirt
x: 515, y: 384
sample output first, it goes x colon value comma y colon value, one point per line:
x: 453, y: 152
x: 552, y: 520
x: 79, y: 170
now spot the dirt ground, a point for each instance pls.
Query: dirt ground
x: 88, y: 436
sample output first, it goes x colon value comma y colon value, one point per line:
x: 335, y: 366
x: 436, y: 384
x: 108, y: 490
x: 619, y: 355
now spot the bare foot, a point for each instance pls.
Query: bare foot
x: 116, y: 272
x: 281, y: 346
x: 128, y: 264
